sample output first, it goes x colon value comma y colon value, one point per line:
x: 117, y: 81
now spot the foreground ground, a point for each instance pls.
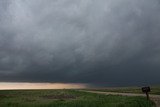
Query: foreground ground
x: 68, y: 98
x: 130, y: 91
x: 154, y: 98
x: 154, y: 90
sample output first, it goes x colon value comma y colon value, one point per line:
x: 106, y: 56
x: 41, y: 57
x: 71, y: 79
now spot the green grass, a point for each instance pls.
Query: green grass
x: 67, y: 98
x: 154, y: 90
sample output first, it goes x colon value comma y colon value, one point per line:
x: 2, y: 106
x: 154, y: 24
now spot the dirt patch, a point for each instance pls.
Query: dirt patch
x: 3, y: 96
x: 59, y: 96
x: 156, y: 100
x: 29, y: 100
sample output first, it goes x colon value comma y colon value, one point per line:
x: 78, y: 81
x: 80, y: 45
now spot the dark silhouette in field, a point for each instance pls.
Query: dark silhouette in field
x: 146, y: 90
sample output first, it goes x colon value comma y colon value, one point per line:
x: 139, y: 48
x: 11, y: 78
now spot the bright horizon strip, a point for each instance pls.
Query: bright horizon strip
x: 21, y: 85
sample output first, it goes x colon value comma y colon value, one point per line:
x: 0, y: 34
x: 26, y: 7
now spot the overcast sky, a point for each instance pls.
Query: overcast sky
x: 101, y: 42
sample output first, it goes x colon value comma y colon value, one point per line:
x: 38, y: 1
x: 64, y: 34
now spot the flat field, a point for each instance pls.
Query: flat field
x: 67, y: 98
x: 154, y: 90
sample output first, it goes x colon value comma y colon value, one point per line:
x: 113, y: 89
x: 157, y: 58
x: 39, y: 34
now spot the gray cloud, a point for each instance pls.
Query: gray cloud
x: 89, y: 41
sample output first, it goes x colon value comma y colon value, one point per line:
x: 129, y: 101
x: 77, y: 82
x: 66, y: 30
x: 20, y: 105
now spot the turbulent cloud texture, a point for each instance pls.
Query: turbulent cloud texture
x: 109, y: 42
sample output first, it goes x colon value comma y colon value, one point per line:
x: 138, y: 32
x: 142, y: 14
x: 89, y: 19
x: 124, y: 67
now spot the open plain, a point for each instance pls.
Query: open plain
x: 68, y: 98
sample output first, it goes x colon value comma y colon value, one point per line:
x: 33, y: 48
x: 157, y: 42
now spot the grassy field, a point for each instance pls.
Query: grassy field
x: 154, y: 90
x: 67, y: 98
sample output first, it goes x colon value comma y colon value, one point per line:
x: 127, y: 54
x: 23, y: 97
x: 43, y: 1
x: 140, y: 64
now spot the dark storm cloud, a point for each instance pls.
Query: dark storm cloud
x: 91, y: 41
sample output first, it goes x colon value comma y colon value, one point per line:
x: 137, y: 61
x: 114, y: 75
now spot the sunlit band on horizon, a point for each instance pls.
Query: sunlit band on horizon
x: 20, y: 85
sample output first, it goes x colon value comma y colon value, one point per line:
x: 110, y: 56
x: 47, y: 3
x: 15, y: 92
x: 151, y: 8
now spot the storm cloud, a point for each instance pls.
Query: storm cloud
x: 105, y: 42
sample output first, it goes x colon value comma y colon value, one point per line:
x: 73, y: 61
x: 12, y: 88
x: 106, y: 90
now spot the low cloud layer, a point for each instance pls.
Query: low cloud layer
x: 101, y: 42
